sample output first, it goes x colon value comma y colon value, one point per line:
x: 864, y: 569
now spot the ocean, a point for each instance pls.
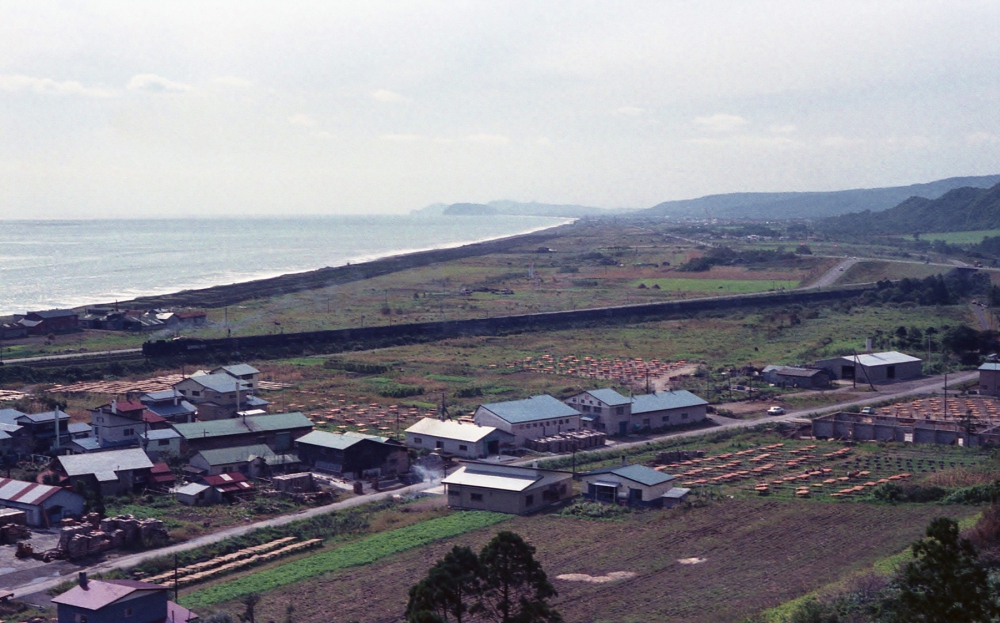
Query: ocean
x: 52, y: 264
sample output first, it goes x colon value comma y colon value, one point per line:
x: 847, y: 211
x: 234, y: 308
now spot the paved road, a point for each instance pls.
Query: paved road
x: 832, y: 275
x: 70, y: 357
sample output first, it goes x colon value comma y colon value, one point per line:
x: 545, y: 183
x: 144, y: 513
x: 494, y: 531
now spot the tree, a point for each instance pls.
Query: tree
x: 947, y: 582
x: 450, y: 589
x: 514, y: 586
x: 249, y: 601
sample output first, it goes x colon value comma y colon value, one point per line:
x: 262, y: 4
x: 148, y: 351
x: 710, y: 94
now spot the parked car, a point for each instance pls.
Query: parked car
x: 775, y: 411
x: 868, y: 411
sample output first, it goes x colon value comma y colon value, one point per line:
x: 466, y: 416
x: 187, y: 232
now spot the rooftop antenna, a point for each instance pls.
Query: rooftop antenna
x: 56, y: 418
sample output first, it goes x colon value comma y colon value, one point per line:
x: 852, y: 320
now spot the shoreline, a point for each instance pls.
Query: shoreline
x: 222, y: 295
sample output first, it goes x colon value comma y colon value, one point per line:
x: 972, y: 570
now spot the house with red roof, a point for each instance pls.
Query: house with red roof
x: 121, y: 423
x: 115, y: 601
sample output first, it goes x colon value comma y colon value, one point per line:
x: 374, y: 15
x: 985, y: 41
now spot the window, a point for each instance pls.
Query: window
x: 439, y: 444
x: 597, y: 409
x: 79, y: 618
x: 97, y: 430
x: 463, y: 447
x: 620, y: 410
x: 128, y: 432
x: 529, y: 500
x: 128, y: 612
x: 646, y: 423
x: 454, y: 491
x: 586, y: 409
x: 163, y: 442
x: 418, y: 440
x: 227, y: 468
x: 476, y: 497
x: 195, y: 393
x: 684, y: 416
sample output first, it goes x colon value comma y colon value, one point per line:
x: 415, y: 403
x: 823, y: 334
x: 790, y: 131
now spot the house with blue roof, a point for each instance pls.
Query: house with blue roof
x: 219, y: 395
x: 607, y: 410
x: 531, y: 418
x: 630, y: 485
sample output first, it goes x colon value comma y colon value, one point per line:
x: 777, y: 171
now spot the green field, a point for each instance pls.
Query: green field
x: 868, y: 272
x: 718, y: 285
x: 961, y: 237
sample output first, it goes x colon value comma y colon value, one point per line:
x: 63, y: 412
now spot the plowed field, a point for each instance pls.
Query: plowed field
x: 752, y: 554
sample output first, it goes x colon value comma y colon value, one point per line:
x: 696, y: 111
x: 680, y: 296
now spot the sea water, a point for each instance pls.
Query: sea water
x: 52, y: 264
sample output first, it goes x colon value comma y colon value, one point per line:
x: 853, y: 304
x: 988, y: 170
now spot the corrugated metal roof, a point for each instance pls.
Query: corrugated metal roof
x: 676, y: 493
x: 636, y: 473
x: 240, y: 369
x: 46, y: 416
x: 239, y: 454
x: 450, y: 429
x: 78, y: 427
x: 992, y: 367
x: 236, y: 426
x: 161, y: 433
x: 543, y: 407
x: 104, y: 463
x: 609, y: 396
x: 662, y: 401
x: 220, y: 383
x: 101, y: 593
x: 336, y: 441
x: 503, y: 482
x: 9, y: 416
x: 798, y: 372
x: 192, y: 488
x: 881, y: 359
x: 25, y: 492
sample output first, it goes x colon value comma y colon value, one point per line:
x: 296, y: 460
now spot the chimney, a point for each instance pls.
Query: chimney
x: 83, y: 580
x: 56, y: 418
x: 114, y: 405
x: 868, y: 345
x: 623, y: 461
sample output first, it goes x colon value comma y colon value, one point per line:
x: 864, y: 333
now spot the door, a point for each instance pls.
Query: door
x: 622, y: 428
x: 635, y: 496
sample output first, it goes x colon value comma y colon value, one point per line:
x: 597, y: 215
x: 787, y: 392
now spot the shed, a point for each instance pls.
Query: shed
x: 989, y: 379
x: 506, y: 488
x: 353, y: 455
x: 675, y: 497
x: 790, y: 376
x: 876, y: 367
x: 43, y: 505
x: 194, y: 494
x: 159, y: 444
x: 252, y: 460
x: 278, y: 431
x: 470, y: 441
x: 531, y: 418
x: 665, y: 409
x: 634, y: 485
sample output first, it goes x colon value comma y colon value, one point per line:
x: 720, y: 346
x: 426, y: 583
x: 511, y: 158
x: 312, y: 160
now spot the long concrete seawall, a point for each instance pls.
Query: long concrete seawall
x: 365, y: 337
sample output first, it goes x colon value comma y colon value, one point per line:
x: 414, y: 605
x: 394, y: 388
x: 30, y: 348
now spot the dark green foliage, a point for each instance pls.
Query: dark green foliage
x: 813, y: 611
x: 803, y: 250
x: 976, y: 494
x: 353, y: 366
x: 946, y: 582
x: 896, y: 493
x: 392, y: 389
x: 725, y: 256
x: 504, y: 584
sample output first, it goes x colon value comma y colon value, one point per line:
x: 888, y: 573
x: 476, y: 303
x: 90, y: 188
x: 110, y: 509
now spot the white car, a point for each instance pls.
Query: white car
x: 775, y: 411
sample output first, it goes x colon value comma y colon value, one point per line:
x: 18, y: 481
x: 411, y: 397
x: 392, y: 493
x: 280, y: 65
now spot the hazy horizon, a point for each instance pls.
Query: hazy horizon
x: 112, y: 110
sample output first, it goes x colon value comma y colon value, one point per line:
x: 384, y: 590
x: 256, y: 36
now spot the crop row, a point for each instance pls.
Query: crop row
x: 218, y: 561
x: 361, y: 552
x: 246, y: 562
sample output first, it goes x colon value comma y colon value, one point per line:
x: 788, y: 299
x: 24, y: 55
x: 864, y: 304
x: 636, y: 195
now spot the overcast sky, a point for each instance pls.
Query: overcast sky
x: 146, y: 109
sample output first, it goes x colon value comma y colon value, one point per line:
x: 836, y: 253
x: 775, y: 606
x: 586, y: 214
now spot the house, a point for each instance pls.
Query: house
x: 12, y: 331
x: 114, y: 472
x: 228, y: 487
x: 247, y: 373
x: 160, y: 475
x: 506, y: 488
x: 218, y: 396
x: 989, y: 379
x: 790, y: 376
x: 353, y: 455
x: 538, y: 416
x: 169, y: 405
x: 194, y: 494
x: 874, y: 367
x: 278, y: 431
x: 607, y: 410
x: 665, y: 409
x: 37, y: 433
x: 469, y: 441
x: 160, y: 444
x: 14, y: 438
x: 675, y: 497
x: 254, y: 461
x: 117, y: 601
x: 631, y: 485
x: 44, y: 506
x: 49, y: 321
x: 120, y: 424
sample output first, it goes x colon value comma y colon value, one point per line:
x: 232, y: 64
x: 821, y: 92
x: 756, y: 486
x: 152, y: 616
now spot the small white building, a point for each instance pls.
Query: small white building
x: 989, y: 379
x: 506, y: 488
x: 607, y: 410
x: 160, y: 444
x: 633, y: 485
x: 531, y: 418
x: 195, y: 494
x: 44, y: 506
x: 874, y: 367
x: 470, y: 441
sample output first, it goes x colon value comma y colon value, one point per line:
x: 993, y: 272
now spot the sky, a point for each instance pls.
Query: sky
x: 179, y: 109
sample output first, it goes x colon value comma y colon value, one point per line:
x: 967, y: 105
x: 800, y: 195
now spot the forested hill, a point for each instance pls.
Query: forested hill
x: 810, y: 204
x: 962, y: 209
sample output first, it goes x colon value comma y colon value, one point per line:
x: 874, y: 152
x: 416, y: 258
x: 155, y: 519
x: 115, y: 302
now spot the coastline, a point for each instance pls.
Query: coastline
x: 353, y: 270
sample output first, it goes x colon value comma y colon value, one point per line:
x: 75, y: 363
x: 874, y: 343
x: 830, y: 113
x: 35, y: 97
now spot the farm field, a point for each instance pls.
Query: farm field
x: 961, y: 237
x: 754, y: 554
x: 869, y: 271
x: 731, y: 286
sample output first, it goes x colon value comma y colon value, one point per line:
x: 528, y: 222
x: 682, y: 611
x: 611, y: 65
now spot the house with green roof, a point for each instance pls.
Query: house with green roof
x: 254, y: 461
x: 607, y: 410
x: 632, y: 485
x: 531, y: 418
x: 353, y: 456
x: 277, y: 431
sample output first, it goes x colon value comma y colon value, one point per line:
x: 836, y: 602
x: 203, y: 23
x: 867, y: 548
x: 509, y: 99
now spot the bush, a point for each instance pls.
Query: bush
x: 976, y: 494
x: 895, y: 493
x: 595, y: 510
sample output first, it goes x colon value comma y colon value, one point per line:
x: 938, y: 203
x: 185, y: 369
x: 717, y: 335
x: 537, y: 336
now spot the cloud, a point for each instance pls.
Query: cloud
x: 156, y: 84
x: 233, y: 81
x: 630, y: 111
x: 721, y: 122
x: 302, y: 120
x: 908, y: 142
x: 48, y: 86
x: 401, y: 138
x: 982, y: 138
x: 543, y: 141
x: 384, y: 95
x: 748, y: 140
x: 783, y: 129
x: 487, y: 139
x: 839, y: 142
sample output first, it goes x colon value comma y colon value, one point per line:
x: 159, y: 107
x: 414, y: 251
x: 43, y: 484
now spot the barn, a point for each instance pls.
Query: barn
x: 43, y: 505
x: 875, y: 367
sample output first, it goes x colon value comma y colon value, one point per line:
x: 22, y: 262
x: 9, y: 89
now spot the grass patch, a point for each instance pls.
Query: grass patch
x: 444, y: 378
x: 960, y: 237
x: 354, y: 554
x: 717, y: 285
